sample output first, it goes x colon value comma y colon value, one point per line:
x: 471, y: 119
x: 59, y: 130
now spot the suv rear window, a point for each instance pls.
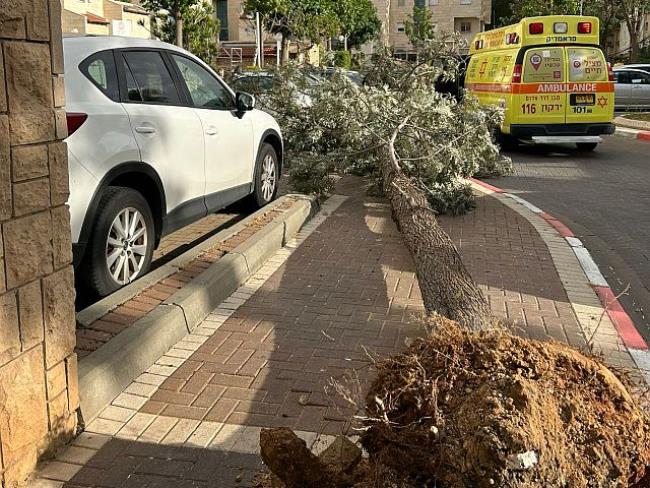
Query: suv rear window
x: 544, y: 65
x: 587, y: 64
x: 100, y: 69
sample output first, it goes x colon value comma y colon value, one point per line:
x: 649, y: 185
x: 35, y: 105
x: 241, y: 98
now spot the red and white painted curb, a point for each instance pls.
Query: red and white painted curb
x: 627, y: 331
x: 642, y: 135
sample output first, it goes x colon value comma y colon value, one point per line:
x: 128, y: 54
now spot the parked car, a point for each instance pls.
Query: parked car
x: 156, y: 141
x: 262, y: 82
x: 632, y: 88
x: 354, y: 76
x: 642, y: 67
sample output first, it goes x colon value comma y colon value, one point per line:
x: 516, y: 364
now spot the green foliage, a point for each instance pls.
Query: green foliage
x: 420, y: 26
x: 358, y: 21
x: 200, y: 29
x: 300, y: 19
x: 454, y: 199
x: 343, y: 59
x: 315, y: 19
x: 346, y: 128
x: 172, y: 6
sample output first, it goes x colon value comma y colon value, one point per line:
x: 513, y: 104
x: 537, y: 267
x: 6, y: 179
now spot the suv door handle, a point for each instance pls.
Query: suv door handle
x: 145, y: 129
x: 211, y: 131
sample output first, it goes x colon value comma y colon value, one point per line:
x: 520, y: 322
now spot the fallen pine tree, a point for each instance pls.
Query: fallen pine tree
x: 471, y: 405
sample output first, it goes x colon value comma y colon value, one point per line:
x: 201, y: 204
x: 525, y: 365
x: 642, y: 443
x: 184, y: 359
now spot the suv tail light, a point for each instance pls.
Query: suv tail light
x: 516, y: 74
x: 75, y: 120
x: 610, y: 72
x: 584, y: 27
x: 536, y: 28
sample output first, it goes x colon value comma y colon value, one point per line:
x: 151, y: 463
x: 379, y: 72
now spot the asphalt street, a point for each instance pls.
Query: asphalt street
x: 604, y: 198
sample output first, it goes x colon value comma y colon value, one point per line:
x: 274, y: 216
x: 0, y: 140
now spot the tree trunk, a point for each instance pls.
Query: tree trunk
x: 634, y: 47
x: 446, y: 285
x: 285, y: 50
x: 179, y: 29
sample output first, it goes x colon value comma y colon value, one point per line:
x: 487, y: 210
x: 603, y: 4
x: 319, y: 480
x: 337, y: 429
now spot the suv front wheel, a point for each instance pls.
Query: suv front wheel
x: 266, y: 176
x: 122, y: 242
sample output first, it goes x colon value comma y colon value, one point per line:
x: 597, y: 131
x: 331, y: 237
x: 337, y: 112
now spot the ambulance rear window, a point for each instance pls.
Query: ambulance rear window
x: 586, y: 64
x: 544, y: 65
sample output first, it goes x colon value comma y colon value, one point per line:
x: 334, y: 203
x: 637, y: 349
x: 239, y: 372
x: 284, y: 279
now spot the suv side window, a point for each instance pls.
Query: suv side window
x: 205, y: 90
x: 151, y: 81
x: 100, y: 69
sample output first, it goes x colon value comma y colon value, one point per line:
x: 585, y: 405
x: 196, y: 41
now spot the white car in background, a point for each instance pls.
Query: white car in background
x: 632, y: 88
x: 156, y: 141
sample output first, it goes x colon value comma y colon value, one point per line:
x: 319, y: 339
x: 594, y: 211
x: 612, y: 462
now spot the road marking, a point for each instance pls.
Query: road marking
x: 589, y: 266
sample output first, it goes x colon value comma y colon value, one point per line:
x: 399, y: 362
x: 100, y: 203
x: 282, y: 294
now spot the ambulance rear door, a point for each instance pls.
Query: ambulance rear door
x: 590, y: 93
x: 540, y: 97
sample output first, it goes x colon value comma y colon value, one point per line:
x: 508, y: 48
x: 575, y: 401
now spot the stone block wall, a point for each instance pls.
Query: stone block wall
x: 38, y: 368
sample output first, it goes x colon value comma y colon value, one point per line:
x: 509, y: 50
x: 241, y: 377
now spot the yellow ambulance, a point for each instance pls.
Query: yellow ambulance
x: 549, y: 75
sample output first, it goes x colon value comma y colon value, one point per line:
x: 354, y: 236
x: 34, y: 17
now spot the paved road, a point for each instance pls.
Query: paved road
x: 604, y: 197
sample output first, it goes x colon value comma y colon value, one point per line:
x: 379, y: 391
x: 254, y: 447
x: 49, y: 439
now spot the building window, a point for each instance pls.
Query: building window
x: 466, y: 27
x: 420, y: 3
x: 465, y: 2
x: 401, y: 28
x: 222, y: 15
x: 433, y: 2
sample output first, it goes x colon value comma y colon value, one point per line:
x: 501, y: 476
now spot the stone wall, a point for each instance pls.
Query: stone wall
x: 38, y: 369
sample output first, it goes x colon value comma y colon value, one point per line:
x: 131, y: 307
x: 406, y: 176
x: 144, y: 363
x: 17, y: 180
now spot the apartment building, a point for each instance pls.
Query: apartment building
x: 464, y: 16
x: 104, y: 17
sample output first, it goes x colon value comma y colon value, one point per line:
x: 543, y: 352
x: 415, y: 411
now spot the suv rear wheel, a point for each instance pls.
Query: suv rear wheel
x: 122, y: 241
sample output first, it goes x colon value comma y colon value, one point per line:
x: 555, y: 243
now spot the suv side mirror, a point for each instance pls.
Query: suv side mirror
x: 244, y: 101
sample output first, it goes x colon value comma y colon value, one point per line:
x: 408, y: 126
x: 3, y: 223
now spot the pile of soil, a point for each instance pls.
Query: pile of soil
x: 467, y: 409
x: 464, y: 409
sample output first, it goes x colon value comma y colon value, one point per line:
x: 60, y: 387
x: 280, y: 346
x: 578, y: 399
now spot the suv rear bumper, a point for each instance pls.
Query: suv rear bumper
x: 529, y: 131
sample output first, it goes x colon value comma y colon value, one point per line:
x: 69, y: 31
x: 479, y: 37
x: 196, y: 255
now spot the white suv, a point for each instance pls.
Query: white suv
x: 156, y: 140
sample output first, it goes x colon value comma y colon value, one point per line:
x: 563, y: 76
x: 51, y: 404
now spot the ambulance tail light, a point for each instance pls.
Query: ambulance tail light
x: 516, y: 73
x: 584, y: 27
x: 610, y: 72
x: 536, y: 28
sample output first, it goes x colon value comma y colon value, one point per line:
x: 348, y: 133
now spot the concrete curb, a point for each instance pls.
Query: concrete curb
x: 106, y: 372
x: 632, y: 129
x: 627, y: 332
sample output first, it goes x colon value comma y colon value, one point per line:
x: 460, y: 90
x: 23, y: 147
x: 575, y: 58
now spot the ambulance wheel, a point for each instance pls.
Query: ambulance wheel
x: 506, y: 141
x: 587, y: 146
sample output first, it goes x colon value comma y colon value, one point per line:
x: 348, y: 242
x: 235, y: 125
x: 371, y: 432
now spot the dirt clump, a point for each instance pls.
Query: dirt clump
x: 484, y: 409
x: 463, y: 409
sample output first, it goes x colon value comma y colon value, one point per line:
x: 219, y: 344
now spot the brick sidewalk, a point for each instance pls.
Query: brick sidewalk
x: 264, y: 357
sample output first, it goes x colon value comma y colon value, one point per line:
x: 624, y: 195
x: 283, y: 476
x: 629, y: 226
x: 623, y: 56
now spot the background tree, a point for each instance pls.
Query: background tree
x: 175, y: 8
x: 634, y: 15
x: 310, y: 20
x: 200, y: 31
x: 420, y: 26
x: 358, y: 21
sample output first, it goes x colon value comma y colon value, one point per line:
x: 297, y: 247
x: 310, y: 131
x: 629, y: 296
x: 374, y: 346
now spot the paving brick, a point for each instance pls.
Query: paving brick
x: 221, y: 410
